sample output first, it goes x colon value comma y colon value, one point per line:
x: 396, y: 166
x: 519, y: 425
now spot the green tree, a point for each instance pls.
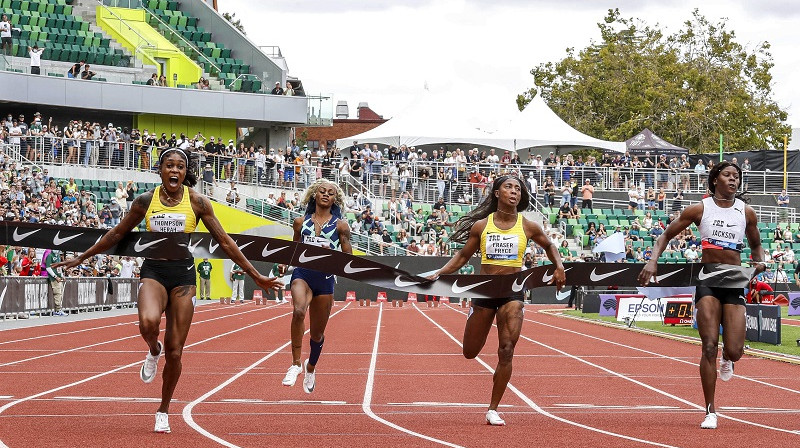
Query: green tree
x: 688, y: 87
x: 236, y: 23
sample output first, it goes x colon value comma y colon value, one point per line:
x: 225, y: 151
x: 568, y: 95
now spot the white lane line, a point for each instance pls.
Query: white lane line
x: 61, y: 352
x: 109, y: 372
x: 535, y: 406
x: 187, y: 410
x: 33, y: 338
x: 366, y: 405
x: 660, y: 355
x: 652, y: 388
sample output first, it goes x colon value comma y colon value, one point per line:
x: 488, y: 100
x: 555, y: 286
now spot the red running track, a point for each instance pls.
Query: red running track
x: 387, y: 377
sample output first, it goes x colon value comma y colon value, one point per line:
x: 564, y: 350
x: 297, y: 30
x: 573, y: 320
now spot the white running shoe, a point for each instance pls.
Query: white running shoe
x: 710, y: 421
x: 309, y: 378
x: 493, y: 418
x: 162, y: 423
x: 725, y: 369
x: 291, y: 375
x: 150, y: 365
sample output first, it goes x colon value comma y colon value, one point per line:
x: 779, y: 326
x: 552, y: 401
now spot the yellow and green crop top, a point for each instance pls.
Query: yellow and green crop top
x: 503, y: 247
x: 178, y: 218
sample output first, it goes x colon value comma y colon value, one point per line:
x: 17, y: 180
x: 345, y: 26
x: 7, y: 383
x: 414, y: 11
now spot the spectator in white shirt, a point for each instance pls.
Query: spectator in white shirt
x: 36, y: 59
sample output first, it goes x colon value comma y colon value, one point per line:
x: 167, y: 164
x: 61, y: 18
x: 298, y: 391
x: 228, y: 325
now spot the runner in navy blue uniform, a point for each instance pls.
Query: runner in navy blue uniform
x: 724, y: 220
x: 312, y: 291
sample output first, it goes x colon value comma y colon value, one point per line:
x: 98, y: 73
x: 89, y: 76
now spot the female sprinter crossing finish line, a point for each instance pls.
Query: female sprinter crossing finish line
x: 497, y: 228
x: 724, y: 220
x: 168, y: 286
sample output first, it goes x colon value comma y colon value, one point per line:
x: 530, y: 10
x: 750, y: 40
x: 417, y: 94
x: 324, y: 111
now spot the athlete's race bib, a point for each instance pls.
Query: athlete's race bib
x: 317, y: 241
x: 168, y: 222
x: 502, y: 247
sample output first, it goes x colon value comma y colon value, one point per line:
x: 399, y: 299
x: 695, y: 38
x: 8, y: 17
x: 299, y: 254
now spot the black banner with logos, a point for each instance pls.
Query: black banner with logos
x: 763, y: 323
x: 173, y: 246
x: 33, y: 294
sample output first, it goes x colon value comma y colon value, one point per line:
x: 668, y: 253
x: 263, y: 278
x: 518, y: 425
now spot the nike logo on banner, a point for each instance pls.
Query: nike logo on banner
x: 546, y: 278
x: 349, y: 269
x: 304, y: 259
x: 242, y: 247
x: 562, y: 295
x: 517, y: 287
x: 189, y: 268
x: 192, y: 247
x: 19, y: 237
x: 459, y: 289
x: 662, y: 277
x: 702, y: 275
x: 138, y: 247
x: 267, y: 251
x: 596, y: 278
x: 327, y: 277
x: 212, y: 247
x: 59, y: 241
x: 402, y: 284
x: 3, y: 296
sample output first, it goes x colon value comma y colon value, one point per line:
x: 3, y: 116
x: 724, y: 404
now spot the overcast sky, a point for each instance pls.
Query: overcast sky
x: 384, y: 52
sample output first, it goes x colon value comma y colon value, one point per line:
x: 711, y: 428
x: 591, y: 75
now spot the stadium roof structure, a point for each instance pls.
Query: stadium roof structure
x: 649, y: 141
x: 538, y: 127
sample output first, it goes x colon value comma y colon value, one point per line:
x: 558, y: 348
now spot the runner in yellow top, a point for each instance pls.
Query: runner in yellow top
x: 501, y: 233
x: 169, y: 285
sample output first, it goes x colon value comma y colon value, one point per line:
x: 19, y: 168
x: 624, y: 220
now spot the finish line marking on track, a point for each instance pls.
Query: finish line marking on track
x: 292, y: 402
x: 443, y: 404
x: 535, y: 406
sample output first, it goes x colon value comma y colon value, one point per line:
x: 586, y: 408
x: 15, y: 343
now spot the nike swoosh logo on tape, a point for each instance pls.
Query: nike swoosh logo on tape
x: 138, y: 247
x: 59, y: 241
x: 267, y: 251
x: 562, y: 295
x: 189, y: 268
x: 597, y: 277
x: 21, y: 236
x: 702, y: 275
x: 328, y: 277
x: 546, y: 278
x: 517, y: 287
x: 241, y: 248
x: 304, y: 259
x: 459, y: 289
x: 192, y: 247
x: 349, y: 269
x: 662, y: 277
x: 212, y: 247
x: 402, y: 284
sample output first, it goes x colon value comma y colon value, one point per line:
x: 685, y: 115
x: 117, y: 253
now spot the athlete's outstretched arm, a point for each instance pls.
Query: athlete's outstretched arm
x: 115, y: 235
x: 462, y: 256
x: 203, y: 210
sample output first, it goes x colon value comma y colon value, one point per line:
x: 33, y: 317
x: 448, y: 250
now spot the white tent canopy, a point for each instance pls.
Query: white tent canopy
x: 466, y: 115
x: 537, y: 126
x: 448, y: 117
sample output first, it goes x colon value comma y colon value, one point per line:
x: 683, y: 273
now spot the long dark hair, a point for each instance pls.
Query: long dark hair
x: 714, y: 173
x: 191, y: 165
x: 463, y: 226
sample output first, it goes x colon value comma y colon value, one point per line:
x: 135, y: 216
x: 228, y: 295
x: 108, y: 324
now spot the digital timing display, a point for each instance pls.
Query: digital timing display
x: 678, y: 313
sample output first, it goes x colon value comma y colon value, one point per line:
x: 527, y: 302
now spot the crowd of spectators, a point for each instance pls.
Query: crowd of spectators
x: 30, y: 195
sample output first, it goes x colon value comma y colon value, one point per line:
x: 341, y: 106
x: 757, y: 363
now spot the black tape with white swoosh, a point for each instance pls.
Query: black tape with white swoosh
x: 172, y: 246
